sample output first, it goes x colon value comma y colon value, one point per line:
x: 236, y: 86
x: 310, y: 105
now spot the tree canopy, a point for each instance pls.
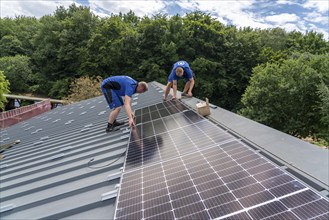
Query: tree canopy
x: 4, y: 88
x: 291, y: 96
x: 44, y: 56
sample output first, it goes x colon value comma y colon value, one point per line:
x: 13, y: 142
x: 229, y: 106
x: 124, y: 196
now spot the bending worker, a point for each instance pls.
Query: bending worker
x: 180, y: 69
x: 113, y: 89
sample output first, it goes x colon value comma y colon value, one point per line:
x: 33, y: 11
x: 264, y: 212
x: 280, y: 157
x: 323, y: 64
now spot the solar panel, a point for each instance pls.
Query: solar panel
x: 181, y: 166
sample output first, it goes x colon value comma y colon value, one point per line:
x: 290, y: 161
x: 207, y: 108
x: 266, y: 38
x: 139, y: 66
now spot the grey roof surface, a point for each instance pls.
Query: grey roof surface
x: 46, y: 175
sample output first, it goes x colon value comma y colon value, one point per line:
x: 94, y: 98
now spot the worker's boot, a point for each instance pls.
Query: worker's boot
x: 114, y: 126
x: 118, y: 123
x: 110, y: 127
x: 184, y: 94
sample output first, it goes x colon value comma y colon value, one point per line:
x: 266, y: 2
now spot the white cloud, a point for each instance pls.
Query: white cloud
x: 319, y: 5
x: 280, y: 19
x: 187, y: 5
x: 317, y: 18
x: 240, y: 13
x: 285, y: 2
x: 237, y: 12
x: 36, y: 8
x: 140, y: 8
x: 324, y: 32
x: 297, y: 26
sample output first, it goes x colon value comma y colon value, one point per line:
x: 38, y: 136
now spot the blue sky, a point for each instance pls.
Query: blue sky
x: 300, y: 15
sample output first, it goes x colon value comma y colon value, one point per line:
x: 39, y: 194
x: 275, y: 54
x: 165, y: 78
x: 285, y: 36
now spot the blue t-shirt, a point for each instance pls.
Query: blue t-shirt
x: 187, y: 71
x: 121, y: 85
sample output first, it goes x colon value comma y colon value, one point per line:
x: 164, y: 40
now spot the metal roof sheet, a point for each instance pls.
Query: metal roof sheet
x: 47, y: 176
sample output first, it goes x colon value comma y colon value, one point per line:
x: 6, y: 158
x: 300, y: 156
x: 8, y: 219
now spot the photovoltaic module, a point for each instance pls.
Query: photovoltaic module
x: 180, y: 165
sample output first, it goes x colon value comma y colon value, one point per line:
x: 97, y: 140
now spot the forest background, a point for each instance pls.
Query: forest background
x: 275, y: 77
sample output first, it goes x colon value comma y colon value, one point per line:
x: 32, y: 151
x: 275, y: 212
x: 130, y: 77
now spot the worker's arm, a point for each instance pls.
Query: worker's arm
x: 174, y: 87
x: 129, y: 111
x: 191, y: 86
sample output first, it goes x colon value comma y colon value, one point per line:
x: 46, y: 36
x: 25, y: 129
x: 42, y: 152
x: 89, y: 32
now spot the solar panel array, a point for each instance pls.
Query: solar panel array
x: 181, y: 166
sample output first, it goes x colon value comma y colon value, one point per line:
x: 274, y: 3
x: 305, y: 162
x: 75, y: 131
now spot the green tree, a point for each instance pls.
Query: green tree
x: 16, y: 35
x: 210, y: 80
x: 45, y: 56
x: 151, y: 34
x: 238, y: 55
x: 105, y: 46
x: 10, y: 46
x: 60, y: 88
x: 18, y: 72
x: 77, y: 25
x: 4, y: 88
x: 285, y: 96
x: 324, y: 112
x: 7, y: 26
x: 311, y: 42
x: 275, y: 38
x: 73, y: 42
x: 267, y: 54
x: 26, y: 28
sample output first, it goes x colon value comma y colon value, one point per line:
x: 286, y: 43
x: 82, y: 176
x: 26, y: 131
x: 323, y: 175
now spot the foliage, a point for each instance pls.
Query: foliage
x: 84, y: 88
x: 4, y: 89
x: 52, y: 52
x: 285, y: 96
x: 10, y: 46
x: 17, y: 71
x: 311, y: 42
x: 60, y: 88
x: 275, y: 38
x: 16, y: 35
x: 324, y: 112
x: 269, y: 55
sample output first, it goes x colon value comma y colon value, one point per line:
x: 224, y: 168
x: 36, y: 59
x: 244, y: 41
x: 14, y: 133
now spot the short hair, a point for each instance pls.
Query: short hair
x: 144, y: 86
x: 179, y: 70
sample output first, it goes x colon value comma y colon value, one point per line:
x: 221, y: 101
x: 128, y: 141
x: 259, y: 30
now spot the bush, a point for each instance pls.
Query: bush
x: 84, y: 88
x: 286, y: 96
x: 4, y: 88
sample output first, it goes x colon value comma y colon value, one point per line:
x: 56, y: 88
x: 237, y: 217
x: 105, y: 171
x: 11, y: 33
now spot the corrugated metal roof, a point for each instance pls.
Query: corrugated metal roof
x: 46, y: 175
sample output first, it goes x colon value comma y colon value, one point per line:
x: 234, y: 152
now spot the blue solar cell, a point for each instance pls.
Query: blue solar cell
x: 287, y: 188
x: 166, y: 215
x: 181, y: 166
x: 309, y: 210
x: 300, y: 199
x: 267, y: 210
x: 283, y: 215
x: 239, y: 216
x: 225, y: 209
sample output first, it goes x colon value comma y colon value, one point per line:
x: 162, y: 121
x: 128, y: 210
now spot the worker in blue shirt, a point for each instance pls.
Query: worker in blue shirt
x: 116, y: 87
x: 180, y: 69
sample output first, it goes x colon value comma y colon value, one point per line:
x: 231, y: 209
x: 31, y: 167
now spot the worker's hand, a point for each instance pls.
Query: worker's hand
x: 131, y: 122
